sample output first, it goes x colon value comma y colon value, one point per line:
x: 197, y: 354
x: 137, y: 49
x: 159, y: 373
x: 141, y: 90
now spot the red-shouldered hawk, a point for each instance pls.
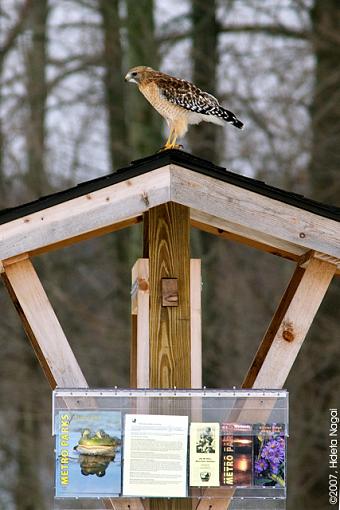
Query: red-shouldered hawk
x: 180, y: 102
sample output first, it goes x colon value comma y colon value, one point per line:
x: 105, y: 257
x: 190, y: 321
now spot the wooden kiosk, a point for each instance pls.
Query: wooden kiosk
x: 171, y: 192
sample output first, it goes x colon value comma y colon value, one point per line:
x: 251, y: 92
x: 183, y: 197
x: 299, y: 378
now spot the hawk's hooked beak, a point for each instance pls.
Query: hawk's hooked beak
x: 131, y: 77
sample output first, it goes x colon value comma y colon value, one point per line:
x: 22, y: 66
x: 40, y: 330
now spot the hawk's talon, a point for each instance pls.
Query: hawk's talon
x: 168, y: 146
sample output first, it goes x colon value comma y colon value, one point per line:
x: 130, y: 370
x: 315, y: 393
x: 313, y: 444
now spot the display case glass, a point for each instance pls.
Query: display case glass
x: 203, y: 444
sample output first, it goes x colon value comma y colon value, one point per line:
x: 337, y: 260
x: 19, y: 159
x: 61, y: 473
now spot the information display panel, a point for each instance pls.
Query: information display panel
x: 116, y: 443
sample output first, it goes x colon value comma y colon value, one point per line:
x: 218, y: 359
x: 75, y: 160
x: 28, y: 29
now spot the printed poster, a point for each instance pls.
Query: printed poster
x: 88, y: 453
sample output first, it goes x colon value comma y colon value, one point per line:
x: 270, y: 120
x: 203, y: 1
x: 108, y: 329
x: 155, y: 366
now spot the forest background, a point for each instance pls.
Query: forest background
x: 66, y: 116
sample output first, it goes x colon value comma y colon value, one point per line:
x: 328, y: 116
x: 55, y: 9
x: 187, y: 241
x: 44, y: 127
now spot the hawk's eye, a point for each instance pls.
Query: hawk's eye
x: 134, y: 73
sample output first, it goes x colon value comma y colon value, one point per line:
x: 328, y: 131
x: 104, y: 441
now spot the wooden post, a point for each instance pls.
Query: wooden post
x: 170, y: 350
x: 169, y: 257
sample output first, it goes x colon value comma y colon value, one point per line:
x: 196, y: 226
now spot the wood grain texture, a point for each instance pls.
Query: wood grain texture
x: 273, y: 328
x: 42, y: 326
x: 196, y: 322
x: 295, y: 322
x: 169, y: 327
x: 254, y: 216
x: 170, y: 349
x: 140, y: 299
x: 230, y: 236
x: 75, y: 218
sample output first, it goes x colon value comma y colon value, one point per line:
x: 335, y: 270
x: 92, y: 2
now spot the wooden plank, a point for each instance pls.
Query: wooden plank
x: 254, y: 216
x: 88, y: 235
x: 139, y: 369
x: 170, y: 349
x: 41, y: 326
x: 196, y: 322
x: 73, y: 219
x: 273, y: 328
x: 290, y: 326
x: 230, y: 236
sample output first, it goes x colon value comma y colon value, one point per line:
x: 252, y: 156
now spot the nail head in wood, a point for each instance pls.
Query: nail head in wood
x: 170, y: 292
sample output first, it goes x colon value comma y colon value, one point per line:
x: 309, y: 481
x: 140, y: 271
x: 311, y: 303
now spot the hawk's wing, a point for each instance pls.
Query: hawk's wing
x: 187, y: 95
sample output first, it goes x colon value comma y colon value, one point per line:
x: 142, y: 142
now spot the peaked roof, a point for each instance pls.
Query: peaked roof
x: 185, y: 160
x: 220, y: 202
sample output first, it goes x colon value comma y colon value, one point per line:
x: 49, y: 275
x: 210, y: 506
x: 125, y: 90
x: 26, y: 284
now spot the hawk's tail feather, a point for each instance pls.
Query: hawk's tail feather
x: 229, y: 116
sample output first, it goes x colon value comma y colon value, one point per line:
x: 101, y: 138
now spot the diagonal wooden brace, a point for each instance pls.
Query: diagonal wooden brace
x: 48, y: 340
x: 290, y: 325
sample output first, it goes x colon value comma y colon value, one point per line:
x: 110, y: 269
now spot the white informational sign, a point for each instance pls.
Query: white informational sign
x: 155, y: 455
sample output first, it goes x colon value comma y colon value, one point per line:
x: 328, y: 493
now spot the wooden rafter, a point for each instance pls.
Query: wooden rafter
x: 219, y: 207
x: 69, y: 221
x: 257, y: 217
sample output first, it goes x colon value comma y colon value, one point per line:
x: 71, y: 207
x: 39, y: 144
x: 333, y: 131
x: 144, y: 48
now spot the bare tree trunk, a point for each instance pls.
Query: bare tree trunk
x: 145, y: 123
x: 114, y: 83
x: 2, y: 146
x: 325, y: 160
x: 36, y: 178
x: 203, y: 138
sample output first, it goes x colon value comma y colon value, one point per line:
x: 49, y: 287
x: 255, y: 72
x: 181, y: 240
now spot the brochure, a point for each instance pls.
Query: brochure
x: 237, y: 454
x: 88, y: 454
x: 269, y: 455
x: 204, y: 454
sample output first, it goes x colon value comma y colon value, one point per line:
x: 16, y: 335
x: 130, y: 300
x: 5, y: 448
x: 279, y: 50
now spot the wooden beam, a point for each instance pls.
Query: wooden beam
x: 86, y: 236
x: 41, y: 326
x: 139, y: 367
x: 290, y: 325
x: 273, y: 328
x: 254, y: 216
x: 196, y: 322
x: 170, y: 348
x: 230, y: 236
x: 76, y: 218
